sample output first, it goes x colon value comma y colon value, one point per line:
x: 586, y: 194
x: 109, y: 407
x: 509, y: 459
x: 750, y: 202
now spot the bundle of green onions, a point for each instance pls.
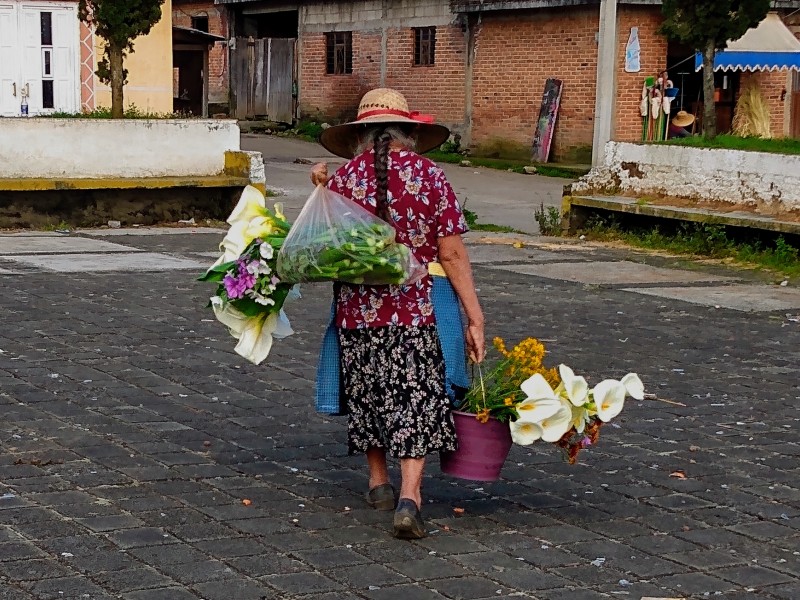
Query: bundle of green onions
x: 363, y: 254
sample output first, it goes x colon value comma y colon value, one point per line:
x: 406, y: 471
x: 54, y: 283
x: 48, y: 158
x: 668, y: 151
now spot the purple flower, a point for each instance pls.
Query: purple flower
x: 237, y: 285
x: 586, y: 441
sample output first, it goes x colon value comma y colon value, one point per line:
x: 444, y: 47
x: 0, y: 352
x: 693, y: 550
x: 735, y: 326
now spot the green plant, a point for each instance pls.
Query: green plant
x: 103, y: 112
x: 310, y: 130
x: 451, y: 146
x: 118, y: 23
x: 549, y: 220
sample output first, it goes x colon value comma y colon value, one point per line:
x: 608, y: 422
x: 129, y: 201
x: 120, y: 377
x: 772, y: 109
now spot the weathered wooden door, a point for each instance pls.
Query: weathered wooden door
x: 262, y: 77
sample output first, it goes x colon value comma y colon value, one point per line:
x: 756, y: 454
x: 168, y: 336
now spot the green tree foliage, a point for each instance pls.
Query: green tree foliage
x: 707, y: 25
x: 118, y: 22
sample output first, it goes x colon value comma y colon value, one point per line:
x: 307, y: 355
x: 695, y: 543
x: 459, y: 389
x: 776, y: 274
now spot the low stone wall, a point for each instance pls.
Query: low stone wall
x: 750, y: 179
x: 105, y: 148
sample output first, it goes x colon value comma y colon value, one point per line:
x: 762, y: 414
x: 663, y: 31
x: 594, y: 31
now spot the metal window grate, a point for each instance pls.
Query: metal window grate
x: 424, y: 46
x: 339, y: 53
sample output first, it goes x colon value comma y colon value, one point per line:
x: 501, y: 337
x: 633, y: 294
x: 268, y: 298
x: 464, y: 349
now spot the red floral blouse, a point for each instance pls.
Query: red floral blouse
x: 423, y: 208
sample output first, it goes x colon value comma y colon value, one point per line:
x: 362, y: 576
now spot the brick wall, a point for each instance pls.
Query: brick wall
x: 218, y: 55
x: 628, y: 119
x: 335, y: 97
x: 515, y: 54
x: 438, y: 89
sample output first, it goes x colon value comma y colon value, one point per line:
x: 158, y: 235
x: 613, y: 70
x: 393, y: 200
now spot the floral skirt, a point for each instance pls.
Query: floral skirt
x: 393, y: 383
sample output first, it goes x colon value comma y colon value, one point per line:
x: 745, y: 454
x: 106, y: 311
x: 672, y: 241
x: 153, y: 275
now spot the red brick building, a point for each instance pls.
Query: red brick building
x: 480, y: 66
x: 206, y: 17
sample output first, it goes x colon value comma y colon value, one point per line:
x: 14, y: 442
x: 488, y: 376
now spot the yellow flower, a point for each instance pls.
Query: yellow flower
x: 483, y: 415
x: 509, y: 401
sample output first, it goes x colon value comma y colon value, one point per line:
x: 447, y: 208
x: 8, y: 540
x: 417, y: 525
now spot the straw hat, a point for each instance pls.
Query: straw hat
x: 383, y: 106
x: 683, y: 119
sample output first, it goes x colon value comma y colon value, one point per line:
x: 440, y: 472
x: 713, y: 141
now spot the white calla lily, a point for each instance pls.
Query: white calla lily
x: 251, y: 204
x: 575, y: 386
x: 633, y: 386
x: 555, y: 426
x: 255, y: 334
x: 278, y: 209
x: 259, y: 227
x: 535, y: 411
x: 537, y: 388
x: 525, y: 433
x: 609, y: 397
x: 233, y: 244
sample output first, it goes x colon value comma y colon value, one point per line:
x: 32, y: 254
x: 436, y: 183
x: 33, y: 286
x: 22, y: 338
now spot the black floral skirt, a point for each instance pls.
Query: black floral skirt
x: 393, y: 384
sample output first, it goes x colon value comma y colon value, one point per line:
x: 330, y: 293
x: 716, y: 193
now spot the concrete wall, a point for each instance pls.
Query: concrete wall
x: 99, y: 148
x: 756, y: 179
x: 149, y: 68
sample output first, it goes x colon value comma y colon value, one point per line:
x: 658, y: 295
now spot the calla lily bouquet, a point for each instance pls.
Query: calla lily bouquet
x: 541, y: 403
x: 250, y: 296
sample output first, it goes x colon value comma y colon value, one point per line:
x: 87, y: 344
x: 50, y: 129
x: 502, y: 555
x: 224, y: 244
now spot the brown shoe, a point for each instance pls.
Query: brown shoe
x: 381, y: 497
x: 408, y: 524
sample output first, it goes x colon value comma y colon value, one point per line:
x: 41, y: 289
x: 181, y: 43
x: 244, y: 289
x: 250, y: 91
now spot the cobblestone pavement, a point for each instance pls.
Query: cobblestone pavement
x: 131, y: 434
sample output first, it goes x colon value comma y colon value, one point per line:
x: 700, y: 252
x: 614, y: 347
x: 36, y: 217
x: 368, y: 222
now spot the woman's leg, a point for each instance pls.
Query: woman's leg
x: 378, y: 469
x: 411, y: 470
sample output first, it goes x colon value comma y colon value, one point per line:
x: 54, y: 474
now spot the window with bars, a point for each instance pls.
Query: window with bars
x: 424, y: 46
x: 339, y: 53
x: 46, y: 28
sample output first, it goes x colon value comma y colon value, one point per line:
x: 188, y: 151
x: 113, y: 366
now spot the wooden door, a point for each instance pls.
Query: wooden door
x: 10, y: 100
x: 795, y: 122
x: 262, y: 78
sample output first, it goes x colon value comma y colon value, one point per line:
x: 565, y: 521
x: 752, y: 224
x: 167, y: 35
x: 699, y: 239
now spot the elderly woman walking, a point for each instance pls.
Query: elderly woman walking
x: 398, y: 347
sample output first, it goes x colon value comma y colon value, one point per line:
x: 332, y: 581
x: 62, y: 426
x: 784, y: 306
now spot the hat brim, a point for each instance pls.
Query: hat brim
x: 342, y: 140
x: 685, y: 122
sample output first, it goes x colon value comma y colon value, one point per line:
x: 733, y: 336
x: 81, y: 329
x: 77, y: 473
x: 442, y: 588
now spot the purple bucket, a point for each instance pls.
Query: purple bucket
x: 482, y: 448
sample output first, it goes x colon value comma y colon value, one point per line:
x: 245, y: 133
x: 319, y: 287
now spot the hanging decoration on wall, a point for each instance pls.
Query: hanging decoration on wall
x: 633, y: 51
x: 657, y: 96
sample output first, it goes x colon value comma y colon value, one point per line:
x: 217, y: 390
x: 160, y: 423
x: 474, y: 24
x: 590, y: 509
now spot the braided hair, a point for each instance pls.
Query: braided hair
x: 381, y: 145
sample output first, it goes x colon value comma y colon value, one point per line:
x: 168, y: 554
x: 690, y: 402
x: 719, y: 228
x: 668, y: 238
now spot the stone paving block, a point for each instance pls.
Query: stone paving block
x: 405, y: 592
x: 238, y: 590
x: 753, y: 576
x: 331, y: 558
x: 110, y: 523
x: 170, y: 593
x: 361, y: 577
x: 127, y: 580
x: 430, y: 568
x: 469, y: 588
x: 303, y: 583
x: 33, y: 570
x: 67, y: 587
x: 96, y: 263
x: 695, y: 583
x: 198, y: 571
x: 142, y: 536
x: 18, y: 551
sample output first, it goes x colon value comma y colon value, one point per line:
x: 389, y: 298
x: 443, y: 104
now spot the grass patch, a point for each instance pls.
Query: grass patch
x: 763, y: 250
x: 132, y: 112
x: 732, y: 142
x: 472, y: 221
x: 506, y: 164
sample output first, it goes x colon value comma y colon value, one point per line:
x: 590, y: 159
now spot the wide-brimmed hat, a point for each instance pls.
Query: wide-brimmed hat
x: 383, y: 106
x: 683, y: 119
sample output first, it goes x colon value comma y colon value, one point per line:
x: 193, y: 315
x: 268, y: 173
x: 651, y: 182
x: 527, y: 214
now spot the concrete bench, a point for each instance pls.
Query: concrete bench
x: 86, y: 172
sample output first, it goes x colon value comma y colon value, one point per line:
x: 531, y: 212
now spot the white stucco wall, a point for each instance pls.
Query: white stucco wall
x: 102, y: 148
x: 697, y: 173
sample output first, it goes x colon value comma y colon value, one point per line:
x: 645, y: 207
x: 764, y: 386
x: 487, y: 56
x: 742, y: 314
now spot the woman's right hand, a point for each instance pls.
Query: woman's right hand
x: 319, y: 174
x: 476, y: 342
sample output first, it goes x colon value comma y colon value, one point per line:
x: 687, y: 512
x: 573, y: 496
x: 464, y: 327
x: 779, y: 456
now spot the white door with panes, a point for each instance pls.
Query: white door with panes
x: 41, y: 39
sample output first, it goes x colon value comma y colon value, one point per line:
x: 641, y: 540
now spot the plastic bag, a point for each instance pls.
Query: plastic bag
x: 335, y: 239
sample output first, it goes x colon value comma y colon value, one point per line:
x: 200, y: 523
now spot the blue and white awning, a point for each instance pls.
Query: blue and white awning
x: 768, y: 47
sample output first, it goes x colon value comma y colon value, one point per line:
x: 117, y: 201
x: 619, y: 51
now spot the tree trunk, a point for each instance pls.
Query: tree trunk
x: 115, y: 59
x: 709, y: 106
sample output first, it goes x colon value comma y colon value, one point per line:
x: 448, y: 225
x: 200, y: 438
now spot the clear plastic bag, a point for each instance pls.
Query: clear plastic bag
x: 335, y: 239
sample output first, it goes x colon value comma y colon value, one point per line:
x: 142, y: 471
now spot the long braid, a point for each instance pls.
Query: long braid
x: 381, y: 145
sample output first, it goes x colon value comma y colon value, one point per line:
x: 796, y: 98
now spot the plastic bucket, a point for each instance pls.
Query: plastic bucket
x: 482, y: 448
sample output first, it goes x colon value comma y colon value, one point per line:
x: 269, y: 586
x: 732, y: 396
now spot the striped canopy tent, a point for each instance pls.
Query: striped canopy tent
x: 768, y: 47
